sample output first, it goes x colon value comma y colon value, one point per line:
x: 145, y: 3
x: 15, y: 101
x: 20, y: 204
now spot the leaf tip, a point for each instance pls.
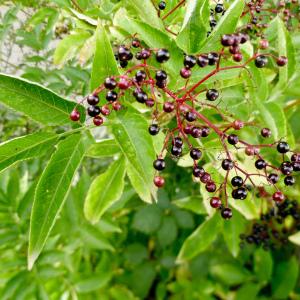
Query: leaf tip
x: 32, y: 257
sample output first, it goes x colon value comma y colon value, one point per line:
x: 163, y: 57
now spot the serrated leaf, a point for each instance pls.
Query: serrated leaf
x: 36, y: 102
x: 194, y: 26
x: 201, y: 238
x: 104, y: 63
x: 104, y: 191
x: 131, y: 133
x: 52, y: 190
x: 103, y: 148
x: 227, y: 24
x: 25, y: 147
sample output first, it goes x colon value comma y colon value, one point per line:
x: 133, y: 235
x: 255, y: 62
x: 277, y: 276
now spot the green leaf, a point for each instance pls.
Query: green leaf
x: 285, y: 278
x: 36, y: 102
x: 167, y: 232
x: 232, y: 231
x: 263, y: 265
x: 145, y: 11
x: 194, y: 26
x: 201, y: 238
x: 69, y: 46
x: 227, y: 24
x: 104, y: 63
x: 25, y: 147
x: 192, y: 203
x: 103, y: 148
x: 93, y: 283
x: 104, y: 191
x: 131, y: 133
x: 247, y: 291
x: 295, y: 238
x: 52, y: 190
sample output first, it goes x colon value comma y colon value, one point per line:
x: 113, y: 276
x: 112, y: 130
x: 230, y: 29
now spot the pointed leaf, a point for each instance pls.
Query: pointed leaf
x: 295, y: 238
x: 104, y: 148
x: 105, y: 190
x: 52, y: 190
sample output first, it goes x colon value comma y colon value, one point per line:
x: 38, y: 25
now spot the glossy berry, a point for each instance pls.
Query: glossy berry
x: 159, y: 164
x: 185, y: 73
x: 176, y: 151
x: 124, y: 53
x: 177, y: 141
x: 150, y: 102
x: 75, y: 115
x: 195, y: 153
x: 210, y: 187
x: 283, y: 147
x: 233, y: 139
x: 212, y: 58
x: 153, y: 129
x: 168, y: 107
x: 250, y: 150
x: 266, y: 133
x: 295, y: 157
x: 286, y: 168
x: 296, y: 166
x: 273, y: 178
x: 189, y: 61
x: 219, y: 8
x: 260, y: 164
x: 289, y: 180
x: 196, y: 132
x: 197, y: 171
x: 238, y: 124
x: 111, y: 96
x: 278, y: 197
x: 212, y: 94
x: 227, y: 164
x: 263, y: 44
x: 226, y: 213
x: 205, y: 177
x: 110, y: 83
x: 190, y: 116
x: 159, y: 181
x: 92, y: 99
x: 105, y: 111
x: 227, y: 40
x: 205, y: 131
x: 98, y: 121
x: 123, y: 84
x: 240, y: 193
x: 140, y: 96
x: 136, y: 43
x: 162, y: 5
x: 237, y: 181
x: 234, y: 49
x: 145, y: 53
x: 261, y: 61
x: 161, y: 84
x: 123, y: 64
x: 162, y: 55
x: 93, y: 111
x: 202, y: 61
x: 244, y: 37
x: 140, y: 76
x: 161, y: 75
x: 215, y: 202
x: 238, y: 57
x: 281, y: 61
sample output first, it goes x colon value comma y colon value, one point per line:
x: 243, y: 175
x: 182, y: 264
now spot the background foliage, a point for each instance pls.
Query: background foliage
x: 123, y: 248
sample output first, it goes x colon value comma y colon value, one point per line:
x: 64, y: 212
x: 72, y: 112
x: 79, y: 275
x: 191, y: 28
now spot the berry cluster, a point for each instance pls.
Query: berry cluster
x: 148, y: 85
x: 274, y: 227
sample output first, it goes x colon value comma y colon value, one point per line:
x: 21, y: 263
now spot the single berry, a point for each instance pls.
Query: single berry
x: 123, y: 63
x: 227, y: 40
x: 161, y: 75
x: 162, y: 55
x: 140, y: 76
x: 219, y: 8
x: 153, y: 129
x: 261, y: 61
x: 195, y: 153
x: 273, y: 178
x: 176, y: 151
x: 240, y: 193
x: 213, y: 58
x: 205, y: 177
x: 110, y: 83
x: 197, y: 171
x: 92, y: 99
x: 286, y: 168
x: 233, y: 139
x: 210, y: 187
x: 215, y: 202
x: 283, y: 147
x: 238, y: 57
x: 281, y: 61
x: 124, y: 53
x: 278, y: 197
x: 188, y: 129
x: 168, y: 107
x: 289, y: 180
x: 145, y: 53
x: 237, y: 181
x: 266, y: 133
x: 185, y: 73
x: 226, y: 213
x: 123, y: 84
x: 202, y: 61
x: 75, y: 115
x: 162, y: 5
x: 98, y: 121
x: 116, y: 105
x: 105, y: 111
x: 140, y: 96
x: 295, y: 157
x: 296, y: 166
x: 234, y: 49
x: 93, y: 111
x: 190, y: 116
x: 212, y: 94
x: 159, y: 181
x: 150, y: 102
x: 111, y: 96
x: 260, y: 164
x: 238, y: 124
x: 161, y: 84
x: 227, y: 164
x: 244, y: 37
x: 135, y: 43
x: 159, y: 164
x: 263, y: 44
x: 196, y: 132
x: 189, y: 61
x: 205, y: 131
x: 177, y: 141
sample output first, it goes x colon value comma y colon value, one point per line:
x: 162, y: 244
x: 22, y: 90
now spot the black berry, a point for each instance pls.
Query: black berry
x: 159, y: 164
x: 162, y: 55
x: 190, y: 61
x: 153, y: 129
x: 261, y: 61
x: 195, y: 153
x: 283, y: 147
x: 227, y: 164
x: 111, y: 96
x: 237, y: 181
x: 212, y: 94
x: 93, y: 111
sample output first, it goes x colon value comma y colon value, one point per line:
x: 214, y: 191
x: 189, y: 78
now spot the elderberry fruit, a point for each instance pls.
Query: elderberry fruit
x: 266, y: 133
x: 140, y: 76
x: 123, y: 84
x: 278, y: 197
x: 205, y: 131
x: 185, y: 73
x: 189, y: 61
x: 105, y: 111
x: 219, y: 8
x: 283, y: 147
x: 289, y: 180
x: 93, y: 111
x: 168, y: 107
x: 226, y: 213
x: 196, y: 132
x: 159, y: 164
x: 281, y: 61
x: 153, y: 129
x: 295, y: 157
x: 110, y: 83
x: 232, y: 139
x: 98, y: 121
x: 210, y: 187
x: 116, y: 105
x: 197, y: 171
x: 227, y: 164
x: 195, y: 153
x: 260, y: 164
x: 176, y: 151
x: 162, y: 5
x: 177, y: 142
x: 123, y: 64
x: 140, y: 96
x: 234, y: 49
x: 111, y: 96
x: 190, y: 116
x: 92, y: 99
x: 215, y: 202
x: 75, y: 115
x: 124, y: 53
x: 273, y: 178
x: 237, y: 181
x: 202, y: 61
x: 159, y: 181
x: 205, y: 177
x: 161, y: 84
x: 261, y: 61
x: 213, y: 58
x: 145, y: 53
x: 238, y: 57
x: 162, y: 55
x: 212, y: 94
x: 161, y: 75
x: 150, y: 102
x: 240, y: 193
x: 227, y: 40
x: 286, y: 168
x: 136, y: 43
x: 296, y: 166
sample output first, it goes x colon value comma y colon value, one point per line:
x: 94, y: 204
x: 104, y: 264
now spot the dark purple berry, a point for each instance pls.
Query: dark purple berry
x: 205, y: 131
x: 162, y: 5
x: 227, y: 40
x: 283, y: 147
x: 260, y: 164
x: 195, y: 153
x: 261, y: 61
x: 226, y: 213
x: 177, y: 142
x: 211, y: 187
x: 190, y: 116
x: 219, y: 8
x: 197, y: 171
x: 233, y: 139
x: 189, y: 61
x: 237, y: 181
x: 227, y: 164
x: 213, y: 58
x: 215, y: 202
x: 159, y: 164
x: 176, y: 151
x: 153, y: 129
x: 286, y: 168
x: 212, y: 94
x: 140, y: 76
x: 202, y: 61
x: 162, y: 55
x: 98, y: 121
x: 196, y: 132
x: 273, y: 178
x: 93, y: 111
x: 168, y: 107
x: 281, y: 61
x: 111, y: 96
x: 266, y: 133
x: 110, y: 83
x: 289, y: 180
x: 161, y: 75
x: 92, y: 99
x: 140, y: 96
x: 185, y: 73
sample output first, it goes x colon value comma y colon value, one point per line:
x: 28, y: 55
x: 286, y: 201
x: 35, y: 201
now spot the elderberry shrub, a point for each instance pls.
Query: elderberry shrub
x: 146, y: 81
